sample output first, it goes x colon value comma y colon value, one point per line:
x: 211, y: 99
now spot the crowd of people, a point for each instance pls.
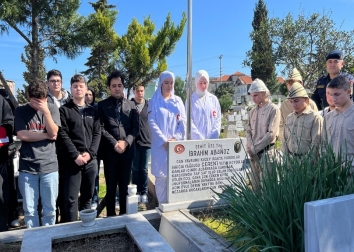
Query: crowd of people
x: 64, y: 136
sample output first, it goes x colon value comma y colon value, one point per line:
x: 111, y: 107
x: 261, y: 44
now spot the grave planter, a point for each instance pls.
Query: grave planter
x: 88, y: 217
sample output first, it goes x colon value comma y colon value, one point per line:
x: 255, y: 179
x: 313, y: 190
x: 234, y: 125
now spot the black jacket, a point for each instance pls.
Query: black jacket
x: 319, y: 95
x: 79, y: 133
x: 6, y: 121
x: 112, y: 130
x: 144, y: 137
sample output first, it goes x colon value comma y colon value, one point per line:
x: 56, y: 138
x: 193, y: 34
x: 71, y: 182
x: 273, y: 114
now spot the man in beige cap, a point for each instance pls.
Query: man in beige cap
x: 285, y: 107
x: 302, y: 128
x: 262, y: 130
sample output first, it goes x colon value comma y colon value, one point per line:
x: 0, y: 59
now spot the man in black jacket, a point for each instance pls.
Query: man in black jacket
x: 120, y: 126
x: 80, y: 134
x: 143, y: 146
x: 6, y: 128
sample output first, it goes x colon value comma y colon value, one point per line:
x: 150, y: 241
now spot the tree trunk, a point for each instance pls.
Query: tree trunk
x: 35, y: 45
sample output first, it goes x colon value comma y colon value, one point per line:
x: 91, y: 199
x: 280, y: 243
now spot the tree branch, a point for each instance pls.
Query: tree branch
x: 19, y: 32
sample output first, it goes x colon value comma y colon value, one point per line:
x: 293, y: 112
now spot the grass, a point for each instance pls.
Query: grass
x: 272, y: 217
x: 102, y: 186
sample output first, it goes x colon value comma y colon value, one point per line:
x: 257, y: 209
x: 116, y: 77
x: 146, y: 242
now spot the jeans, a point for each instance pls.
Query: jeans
x: 140, y: 168
x: 75, y: 179
x: 33, y: 186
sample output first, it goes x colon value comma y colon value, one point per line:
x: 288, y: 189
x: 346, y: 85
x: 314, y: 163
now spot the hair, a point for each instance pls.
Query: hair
x: 340, y: 82
x: 54, y: 72
x: 136, y: 86
x: 37, y: 89
x: 113, y: 75
x: 77, y: 78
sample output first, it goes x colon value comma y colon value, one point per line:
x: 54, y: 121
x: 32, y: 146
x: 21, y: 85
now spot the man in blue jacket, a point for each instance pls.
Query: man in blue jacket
x: 80, y: 134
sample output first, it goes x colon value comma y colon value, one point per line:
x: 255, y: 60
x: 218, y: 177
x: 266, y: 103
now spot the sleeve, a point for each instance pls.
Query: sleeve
x: 68, y: 145
x: 7, y: 118
x: 249, y: 130
x: 316, y: 97
x: 135, y: 125
x: 180, y: 133
x: 316, y: 132
x: 20, y: 122
x: 284, y: 146
x: 155, y: 130
x: 272, y: 131
x: 54, y: 111
x: 195, y: 134
x: 96, y: 137
x: 106, y: 136
x: 215, y: 132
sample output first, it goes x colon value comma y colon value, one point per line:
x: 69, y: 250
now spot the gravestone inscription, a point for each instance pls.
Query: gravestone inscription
x: 195, y: 167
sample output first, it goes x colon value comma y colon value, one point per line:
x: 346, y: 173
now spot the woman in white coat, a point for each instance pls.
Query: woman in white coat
x: 205, y: 111
x: 167, y: 120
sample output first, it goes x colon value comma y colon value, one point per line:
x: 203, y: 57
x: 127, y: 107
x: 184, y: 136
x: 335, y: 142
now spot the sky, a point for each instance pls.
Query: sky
x: 219, y: 27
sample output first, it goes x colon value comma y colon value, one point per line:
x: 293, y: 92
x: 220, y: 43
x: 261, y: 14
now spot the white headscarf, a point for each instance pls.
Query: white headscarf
x: 158, y: 93
x: 198, y: 76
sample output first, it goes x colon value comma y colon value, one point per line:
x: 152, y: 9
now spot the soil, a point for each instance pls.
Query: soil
x: 107, y: 243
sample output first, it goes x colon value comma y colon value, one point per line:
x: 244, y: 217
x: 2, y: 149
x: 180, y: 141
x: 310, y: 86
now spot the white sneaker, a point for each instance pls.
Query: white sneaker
x: 144, y: 199
x: 15, y: 223
x: 94, y: 205
x: 117, y: 205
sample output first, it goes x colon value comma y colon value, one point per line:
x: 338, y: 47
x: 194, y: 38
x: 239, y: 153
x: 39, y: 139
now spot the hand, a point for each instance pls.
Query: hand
x: 86, y: 156
x: 40, y: 105
x: 80, y: 161
x: 120, y: 146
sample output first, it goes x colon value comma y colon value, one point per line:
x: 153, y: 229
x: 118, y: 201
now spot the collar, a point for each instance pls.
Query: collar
x: 307, y: 111
x: 346, y: 113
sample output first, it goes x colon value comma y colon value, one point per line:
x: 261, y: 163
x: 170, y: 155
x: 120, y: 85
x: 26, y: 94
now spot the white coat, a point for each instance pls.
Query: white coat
x: 206, y: 117
x: 167, y: 119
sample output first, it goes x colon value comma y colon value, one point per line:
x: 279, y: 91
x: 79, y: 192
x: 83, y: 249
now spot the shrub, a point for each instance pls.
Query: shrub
x: 272, y: 218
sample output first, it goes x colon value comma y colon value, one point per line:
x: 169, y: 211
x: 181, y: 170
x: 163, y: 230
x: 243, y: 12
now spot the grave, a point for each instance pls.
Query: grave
x: 329, y: 224
x: 197, y: 167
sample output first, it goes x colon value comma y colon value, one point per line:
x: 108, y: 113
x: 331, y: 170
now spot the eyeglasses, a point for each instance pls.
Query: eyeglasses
x: 54, y: 81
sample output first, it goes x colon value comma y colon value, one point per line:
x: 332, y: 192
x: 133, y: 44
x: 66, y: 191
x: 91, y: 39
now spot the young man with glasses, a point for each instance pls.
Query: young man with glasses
x: 56, y: 93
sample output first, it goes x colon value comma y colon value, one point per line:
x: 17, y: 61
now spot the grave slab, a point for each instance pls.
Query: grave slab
x: 197, y: 167
x: 329, y: 225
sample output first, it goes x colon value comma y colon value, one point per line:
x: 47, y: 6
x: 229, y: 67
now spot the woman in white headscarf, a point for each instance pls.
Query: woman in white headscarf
x: 167, y: 120
x: 205, y: 111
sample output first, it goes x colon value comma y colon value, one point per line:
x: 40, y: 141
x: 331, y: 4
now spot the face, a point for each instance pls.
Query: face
x: 298, y: 104
x: 139, y: 93
x: 116, y: 88
x: 54, y: 83
x: 78, y: 90
x: 340, y: 97
x: 202, y: 84
x: 258, y: 97
x: 167, y: 87
x: 89, y: 96
x: 289, y: 84
x: 329, y: 99
x: 334, y: 66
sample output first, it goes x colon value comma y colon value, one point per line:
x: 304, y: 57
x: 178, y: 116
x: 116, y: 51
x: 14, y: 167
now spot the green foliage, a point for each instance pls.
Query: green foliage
x: 50, y: 27
x: 21, y: 96
x: 272, y: 218
x: 224, y: 89
x: 141, y: 53
x: 283, y: 90
x: 180, y: 89
x: 304, y: 41
x: 225, y: 103
x: 102, y: 49
x: 260, y: 58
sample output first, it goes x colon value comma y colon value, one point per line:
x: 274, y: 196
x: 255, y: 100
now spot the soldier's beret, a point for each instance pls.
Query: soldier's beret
x: 335, y: 54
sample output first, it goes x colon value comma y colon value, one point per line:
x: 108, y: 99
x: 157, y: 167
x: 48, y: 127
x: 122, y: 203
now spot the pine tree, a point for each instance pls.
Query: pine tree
x: 102, y: 50
x: 260, y: 57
